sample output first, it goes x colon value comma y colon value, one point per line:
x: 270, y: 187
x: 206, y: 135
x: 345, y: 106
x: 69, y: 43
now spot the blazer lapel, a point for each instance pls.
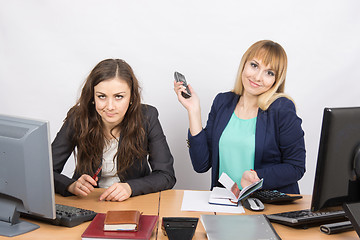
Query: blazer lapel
x: 260, y: 133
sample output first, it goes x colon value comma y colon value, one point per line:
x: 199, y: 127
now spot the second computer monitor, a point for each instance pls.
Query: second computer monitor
x: 26, y: 175
x: 336, y: 181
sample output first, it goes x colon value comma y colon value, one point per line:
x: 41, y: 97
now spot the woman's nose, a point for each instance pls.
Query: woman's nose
x: 110, y: 104
x: 258, y: 76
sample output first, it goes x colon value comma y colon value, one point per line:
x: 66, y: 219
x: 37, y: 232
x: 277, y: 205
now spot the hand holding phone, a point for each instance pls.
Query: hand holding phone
x: 181, y: 78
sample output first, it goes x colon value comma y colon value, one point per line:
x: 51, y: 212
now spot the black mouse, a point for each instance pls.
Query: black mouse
x: 253, y: 204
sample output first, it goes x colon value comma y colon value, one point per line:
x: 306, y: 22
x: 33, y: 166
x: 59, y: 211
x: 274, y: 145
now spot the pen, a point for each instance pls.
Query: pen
x: 97, y: 172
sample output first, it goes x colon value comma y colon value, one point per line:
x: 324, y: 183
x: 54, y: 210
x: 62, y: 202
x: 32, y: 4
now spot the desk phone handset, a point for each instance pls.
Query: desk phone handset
x: 181, y: 78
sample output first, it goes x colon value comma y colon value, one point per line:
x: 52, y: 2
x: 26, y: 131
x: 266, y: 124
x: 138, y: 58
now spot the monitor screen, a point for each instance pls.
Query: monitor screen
x: 336, y: 182
x: 26, y: 175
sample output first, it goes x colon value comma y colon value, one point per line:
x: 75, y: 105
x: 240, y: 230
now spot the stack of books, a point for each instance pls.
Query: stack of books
x: 120, y: 225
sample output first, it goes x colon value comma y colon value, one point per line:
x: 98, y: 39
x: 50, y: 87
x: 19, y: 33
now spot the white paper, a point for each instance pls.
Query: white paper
x: 230, y: 185
x: 199, y: 201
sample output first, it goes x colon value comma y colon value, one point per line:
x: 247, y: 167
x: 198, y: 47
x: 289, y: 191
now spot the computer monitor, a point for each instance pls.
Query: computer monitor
x: 336, y: 179
x: 26, y: 175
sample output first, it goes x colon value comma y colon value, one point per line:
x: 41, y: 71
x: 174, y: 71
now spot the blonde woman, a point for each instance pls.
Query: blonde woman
x: 253, y: 131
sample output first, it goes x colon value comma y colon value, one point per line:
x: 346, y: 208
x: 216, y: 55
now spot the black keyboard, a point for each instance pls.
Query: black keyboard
x: 67, y: 216
x: 273, y: 196
x: 306, y: 218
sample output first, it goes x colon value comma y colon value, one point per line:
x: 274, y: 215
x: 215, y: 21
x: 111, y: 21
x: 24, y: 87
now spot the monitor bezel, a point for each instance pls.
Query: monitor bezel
x: 336, y: 122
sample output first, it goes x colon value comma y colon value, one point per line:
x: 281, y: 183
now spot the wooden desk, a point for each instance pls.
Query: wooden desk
x: 168, y: 204
x: 148, y: 204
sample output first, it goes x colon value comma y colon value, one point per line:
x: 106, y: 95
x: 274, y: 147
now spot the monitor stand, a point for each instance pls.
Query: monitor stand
x: 10, y: 223
x: 11, y: 230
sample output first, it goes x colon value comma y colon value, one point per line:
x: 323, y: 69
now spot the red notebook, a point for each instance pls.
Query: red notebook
x: 95, y: 229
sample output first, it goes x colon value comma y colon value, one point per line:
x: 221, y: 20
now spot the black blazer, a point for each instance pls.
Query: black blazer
x: 141, y: 179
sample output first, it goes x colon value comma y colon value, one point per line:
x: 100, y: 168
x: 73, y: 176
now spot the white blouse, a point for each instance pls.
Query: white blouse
x: 109, y: 166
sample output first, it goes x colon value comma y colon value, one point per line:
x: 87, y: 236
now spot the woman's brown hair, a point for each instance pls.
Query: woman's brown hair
x: 87, y: 126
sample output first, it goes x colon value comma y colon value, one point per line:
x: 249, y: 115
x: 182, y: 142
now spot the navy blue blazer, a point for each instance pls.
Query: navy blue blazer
x: 279, y: 143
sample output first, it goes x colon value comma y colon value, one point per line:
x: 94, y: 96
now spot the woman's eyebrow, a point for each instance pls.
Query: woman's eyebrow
x: 99, y: 92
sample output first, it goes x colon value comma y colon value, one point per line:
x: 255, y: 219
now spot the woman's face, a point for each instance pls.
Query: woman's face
x: 112, y: 99
x: 257, y: 78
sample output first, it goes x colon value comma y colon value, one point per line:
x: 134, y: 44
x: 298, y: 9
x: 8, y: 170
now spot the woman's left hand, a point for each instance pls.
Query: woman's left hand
x: 117, y: 192
x: 248, y: 178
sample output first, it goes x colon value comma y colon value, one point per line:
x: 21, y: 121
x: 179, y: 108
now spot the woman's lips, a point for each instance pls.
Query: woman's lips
x: 110, y: 114
x: 254, y: 84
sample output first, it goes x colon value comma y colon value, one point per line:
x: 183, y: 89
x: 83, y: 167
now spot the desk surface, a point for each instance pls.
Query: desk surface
x: 148, y: 204
x: 168, y: 204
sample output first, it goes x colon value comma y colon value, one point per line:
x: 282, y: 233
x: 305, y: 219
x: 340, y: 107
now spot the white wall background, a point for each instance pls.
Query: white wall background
x: 47, y: 48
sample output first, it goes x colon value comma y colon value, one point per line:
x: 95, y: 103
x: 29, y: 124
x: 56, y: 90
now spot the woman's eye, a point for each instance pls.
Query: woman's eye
x: 119, y: 96
x: 271, y: 73
x: 101, y: 96
x: 253, y: 65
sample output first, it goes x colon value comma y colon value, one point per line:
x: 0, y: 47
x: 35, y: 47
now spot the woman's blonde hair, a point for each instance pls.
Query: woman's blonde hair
x: 270, y: 53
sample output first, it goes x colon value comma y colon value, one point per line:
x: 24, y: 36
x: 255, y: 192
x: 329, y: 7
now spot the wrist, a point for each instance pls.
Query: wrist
x: 194, y: 112
x: 128, y: 188
x: 70, y: 188
x: 195, y: 122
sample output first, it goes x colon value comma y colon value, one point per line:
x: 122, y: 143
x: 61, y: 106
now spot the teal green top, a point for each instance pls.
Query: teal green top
x: 237, y: 147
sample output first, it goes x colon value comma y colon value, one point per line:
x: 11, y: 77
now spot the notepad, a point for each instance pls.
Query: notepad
x: 122, y: 220
x: 231, y: 194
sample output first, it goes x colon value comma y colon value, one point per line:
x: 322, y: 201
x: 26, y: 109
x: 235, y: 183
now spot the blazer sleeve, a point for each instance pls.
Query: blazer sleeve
x: 162, y: 175
x: 290, y: 150
x: 200, y: 145
x: 62, y: 148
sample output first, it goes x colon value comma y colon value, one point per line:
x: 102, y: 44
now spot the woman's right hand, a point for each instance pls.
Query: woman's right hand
x: 83, y: 186
x: 192, y: 104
